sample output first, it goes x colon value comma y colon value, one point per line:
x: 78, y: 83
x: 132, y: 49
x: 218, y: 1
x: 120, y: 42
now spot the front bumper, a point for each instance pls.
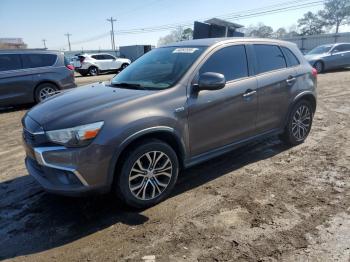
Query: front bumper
x: 59, y: 170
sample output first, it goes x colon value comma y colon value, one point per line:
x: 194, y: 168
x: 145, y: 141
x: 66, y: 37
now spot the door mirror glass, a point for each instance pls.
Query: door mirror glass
x: 210, y: 81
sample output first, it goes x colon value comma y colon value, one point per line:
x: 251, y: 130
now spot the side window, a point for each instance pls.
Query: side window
x: 38, y: 60
x: 97, y: 57
x: 10, y: 62
x: 269, y: 58
x: 230, y: 61
x: 292, y: 60
x: 108, y: 57
x: 343, y: 48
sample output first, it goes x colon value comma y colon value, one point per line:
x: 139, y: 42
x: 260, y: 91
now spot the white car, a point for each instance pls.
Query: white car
x: 94, y: 64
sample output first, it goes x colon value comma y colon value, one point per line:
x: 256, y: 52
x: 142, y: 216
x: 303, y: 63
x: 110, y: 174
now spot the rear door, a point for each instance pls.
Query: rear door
x: 218, y: 118
x: 14, y: 81
x: 100, y: 62
x: 113, y: 63
x: 275, y: 83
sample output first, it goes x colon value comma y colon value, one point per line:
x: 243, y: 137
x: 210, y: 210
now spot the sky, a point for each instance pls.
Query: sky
x: 34, y: 20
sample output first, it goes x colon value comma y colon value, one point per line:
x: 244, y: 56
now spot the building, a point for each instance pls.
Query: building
x: 216, y: 28
x: 12, y: 43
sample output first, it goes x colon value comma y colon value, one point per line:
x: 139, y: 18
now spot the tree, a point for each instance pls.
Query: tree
x: 179, y: 34
x: 260, y: 30
x: 280, y: 33
x: 336, y: 13
x: 311, y: 24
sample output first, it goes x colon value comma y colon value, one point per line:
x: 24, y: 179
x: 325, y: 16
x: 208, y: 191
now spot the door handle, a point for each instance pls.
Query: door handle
x: 249, y: 93
x: 290, y: 80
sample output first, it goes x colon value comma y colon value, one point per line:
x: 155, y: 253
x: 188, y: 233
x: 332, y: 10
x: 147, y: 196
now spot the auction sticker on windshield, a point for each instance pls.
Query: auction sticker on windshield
x: 185, y: 50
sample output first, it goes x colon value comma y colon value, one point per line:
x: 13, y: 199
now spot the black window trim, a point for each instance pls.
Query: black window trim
x: 271, y: 71
x: 218, y: 48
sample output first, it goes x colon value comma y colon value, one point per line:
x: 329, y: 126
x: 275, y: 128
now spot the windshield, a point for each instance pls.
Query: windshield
x: 320, y: 50
x: 159, y: 69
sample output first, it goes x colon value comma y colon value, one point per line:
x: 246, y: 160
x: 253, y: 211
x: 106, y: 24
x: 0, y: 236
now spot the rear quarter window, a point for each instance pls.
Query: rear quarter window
x: 269, y: 58
x: 38, y: 60
x: 292, y: 60
x: 10, y: 62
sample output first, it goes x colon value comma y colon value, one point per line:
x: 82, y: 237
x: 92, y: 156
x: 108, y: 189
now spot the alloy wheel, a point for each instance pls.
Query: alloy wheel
x: 150, y: 175
x: 46, y: 92
x: 301, y: 122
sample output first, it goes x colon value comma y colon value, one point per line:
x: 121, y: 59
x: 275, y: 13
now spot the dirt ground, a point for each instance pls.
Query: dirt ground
x: 263, y: 202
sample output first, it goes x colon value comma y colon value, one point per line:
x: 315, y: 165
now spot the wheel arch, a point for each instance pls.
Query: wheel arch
x: 307, y: 95
x: 165, y: 134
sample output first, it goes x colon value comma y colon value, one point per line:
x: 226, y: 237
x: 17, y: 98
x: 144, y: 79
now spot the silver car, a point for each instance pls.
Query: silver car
x: 332, y: 56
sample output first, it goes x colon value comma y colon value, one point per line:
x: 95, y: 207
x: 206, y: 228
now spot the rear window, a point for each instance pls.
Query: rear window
x: 10, y: 62
x: 292, y: 60
x: 269, y: 58
x: 38, y: 60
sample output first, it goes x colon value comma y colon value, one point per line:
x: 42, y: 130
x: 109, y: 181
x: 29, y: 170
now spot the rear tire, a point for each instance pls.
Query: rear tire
x: 319, y: 66
x: 44, y: 91
x: 93, y: 71
x: 147, y: 175
x: 299, y: 123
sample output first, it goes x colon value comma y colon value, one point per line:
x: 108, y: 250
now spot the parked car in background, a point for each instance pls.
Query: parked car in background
x: 28, y: 76
x: 326, y: 57
x: 133, y: 135
x: 94, y: 64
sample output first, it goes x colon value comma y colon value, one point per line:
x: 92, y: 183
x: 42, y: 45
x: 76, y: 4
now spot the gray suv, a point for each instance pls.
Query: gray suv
x: 174, y: 107
x: 28, y: 76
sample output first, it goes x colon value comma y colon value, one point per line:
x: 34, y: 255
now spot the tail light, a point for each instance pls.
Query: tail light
x: 70, y: 67
x: 81, y: 59
x: 314, y: 72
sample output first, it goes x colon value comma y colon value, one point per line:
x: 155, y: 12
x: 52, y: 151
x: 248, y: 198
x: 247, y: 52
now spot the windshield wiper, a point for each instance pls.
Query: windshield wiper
x: 133, y: 85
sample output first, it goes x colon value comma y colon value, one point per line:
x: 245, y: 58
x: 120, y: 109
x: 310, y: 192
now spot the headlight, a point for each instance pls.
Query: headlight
x: 75, y: 136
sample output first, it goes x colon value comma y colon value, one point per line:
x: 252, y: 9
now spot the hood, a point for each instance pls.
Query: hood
x: 81, y: 105
x: 314, y: 57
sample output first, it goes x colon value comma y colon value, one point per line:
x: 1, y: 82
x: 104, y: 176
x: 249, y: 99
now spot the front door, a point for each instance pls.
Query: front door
x: 218, y: 118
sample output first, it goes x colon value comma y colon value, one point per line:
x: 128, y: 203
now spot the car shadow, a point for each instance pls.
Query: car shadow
x: 10, y: 109
x: 33, y: 221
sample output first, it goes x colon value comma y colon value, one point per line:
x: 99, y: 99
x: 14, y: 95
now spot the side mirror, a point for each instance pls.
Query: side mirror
x: 334, y: 51
x: 210, y: 81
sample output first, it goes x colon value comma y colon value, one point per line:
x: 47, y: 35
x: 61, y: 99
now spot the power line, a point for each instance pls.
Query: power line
x: 112, y: 20
x: 244, y: 14
x: 68, y: 35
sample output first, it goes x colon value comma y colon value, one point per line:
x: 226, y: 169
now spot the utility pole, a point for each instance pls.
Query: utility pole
x: 44, y: 41
x: 68, y: 35
x: 112, y: 20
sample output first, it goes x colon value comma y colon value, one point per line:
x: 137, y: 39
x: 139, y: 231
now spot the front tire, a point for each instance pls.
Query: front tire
x: 123, y: 67
x: 319, y: 67
x: 299, y: 123
x: 148, y: 174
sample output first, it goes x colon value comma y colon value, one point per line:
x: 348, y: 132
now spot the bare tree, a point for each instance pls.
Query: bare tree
x: 280, y: 32
x: 179, y: 34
